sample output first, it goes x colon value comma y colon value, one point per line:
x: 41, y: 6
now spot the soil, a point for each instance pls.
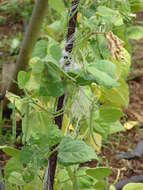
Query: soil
x: 122, y: 142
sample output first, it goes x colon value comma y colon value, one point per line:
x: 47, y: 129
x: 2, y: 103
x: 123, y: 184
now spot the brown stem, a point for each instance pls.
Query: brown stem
x: 58, y: 120
x: 53, y: 158
x: 29, y: 41
x: 72, y: 26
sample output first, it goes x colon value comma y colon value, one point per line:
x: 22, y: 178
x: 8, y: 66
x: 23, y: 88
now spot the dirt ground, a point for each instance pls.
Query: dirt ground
x: 119, y: 143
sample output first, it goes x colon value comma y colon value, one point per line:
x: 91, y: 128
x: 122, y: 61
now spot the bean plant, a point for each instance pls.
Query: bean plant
x: 73, y: 94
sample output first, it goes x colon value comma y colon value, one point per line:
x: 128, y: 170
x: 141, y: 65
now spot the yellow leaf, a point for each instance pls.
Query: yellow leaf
x: 14, y: 98
x: 96, y: 90
x: 130, y: 124
x: 79, y: 17
x: 96, y: 143
x: 71, y: 127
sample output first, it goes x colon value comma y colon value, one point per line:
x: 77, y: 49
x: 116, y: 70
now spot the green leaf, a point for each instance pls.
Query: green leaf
x: 136, y: 5
x: 16, y: 178
x: 10, y: 187
x: 55, y: 66
x: 38, y: 122
x: 107, y: 120
x: 74, y: 152
x: 36, y: 74
x: 105, y: 11
x: 12, y: 165
x: 37, y: 65
x: 135, y: 32
x: 101, y: 72
x: 31, y: 80
x: 85, y: 181
x: 10, y: 151
x: 112, y: 187
x: 99, y: 173
x: 116, y: 127
x: 109, y: 14
x: 52, y: 85
x: 26, y: 155
x: 33, y: 85
x: 102, y: 47
x: 83, y: 101
x: 106, y: 66
x: 103, y: 76
x: 55, y: 89
x: 55, y: 52
x: 109, y: 114
x: 42, y: 129
x: 55, y: 28
x: 82, y: 77
x: 54, y: 135
x: 57, y: 5
x: 51, y: 137
x: 31, y: 185
x: 106, y: 129
x: 133, y: 186
x: 23, y: 78
x: 100, y: 185
x: 28, y: 186
x: 40, y: 49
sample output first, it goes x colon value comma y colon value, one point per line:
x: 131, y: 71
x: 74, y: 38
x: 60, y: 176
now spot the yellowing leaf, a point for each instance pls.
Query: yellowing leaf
x: 14, y: 98
x: 79, y: 17
x: 96, y: 143
x: 71, y: 127
x: 65, y: 124
x: 50, y: 31
x: 130, y: 124
x: 96, y: 90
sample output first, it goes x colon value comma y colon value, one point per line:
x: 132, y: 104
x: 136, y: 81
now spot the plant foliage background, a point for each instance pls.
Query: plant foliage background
x: 96, y: 93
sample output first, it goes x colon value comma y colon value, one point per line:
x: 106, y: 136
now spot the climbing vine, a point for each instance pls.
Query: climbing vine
x: 74, y: 92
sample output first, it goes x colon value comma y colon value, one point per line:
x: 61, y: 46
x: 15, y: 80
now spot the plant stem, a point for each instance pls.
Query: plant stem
x: 27, y: 124
x: 29, y: 41
x: 13, y: 122
x: 73, y: 177
x: 1, y: 118
x: 53, y: 158
x: 59, y: 119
